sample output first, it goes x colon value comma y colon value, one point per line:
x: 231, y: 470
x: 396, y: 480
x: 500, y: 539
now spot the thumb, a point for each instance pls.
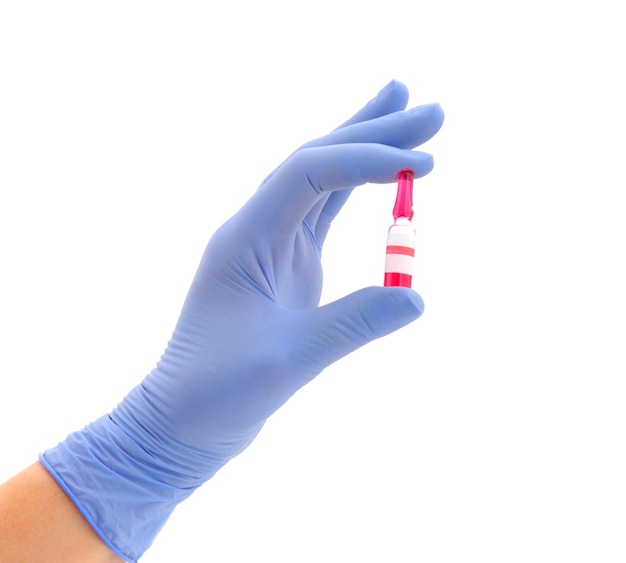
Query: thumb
x: 336, y: 329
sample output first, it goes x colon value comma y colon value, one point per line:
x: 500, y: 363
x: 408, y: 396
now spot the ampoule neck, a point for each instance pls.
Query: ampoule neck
x: 402, y: 221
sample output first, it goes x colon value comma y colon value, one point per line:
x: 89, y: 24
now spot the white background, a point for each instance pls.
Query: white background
x: 490, y: 430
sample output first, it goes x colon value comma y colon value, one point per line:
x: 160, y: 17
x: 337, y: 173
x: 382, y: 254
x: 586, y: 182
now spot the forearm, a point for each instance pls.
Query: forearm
x: 39, y: 523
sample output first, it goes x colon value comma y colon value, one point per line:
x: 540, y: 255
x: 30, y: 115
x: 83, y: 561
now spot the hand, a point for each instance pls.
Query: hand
x: 251, y: 332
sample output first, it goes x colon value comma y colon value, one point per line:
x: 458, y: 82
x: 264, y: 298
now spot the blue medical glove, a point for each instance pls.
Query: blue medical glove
x: 250, y: 333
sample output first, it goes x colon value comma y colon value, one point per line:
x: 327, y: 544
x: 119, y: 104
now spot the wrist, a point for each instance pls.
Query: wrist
x: 126, y: 490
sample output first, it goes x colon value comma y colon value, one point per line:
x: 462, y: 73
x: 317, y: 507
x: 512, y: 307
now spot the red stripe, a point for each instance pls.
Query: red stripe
x: 393, y: 279
x: 407, y: 250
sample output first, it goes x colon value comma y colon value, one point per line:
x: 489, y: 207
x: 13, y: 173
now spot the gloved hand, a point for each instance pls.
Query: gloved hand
x: 250, y: 333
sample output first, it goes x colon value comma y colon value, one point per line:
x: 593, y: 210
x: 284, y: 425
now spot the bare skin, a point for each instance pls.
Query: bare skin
x: 40, y: 524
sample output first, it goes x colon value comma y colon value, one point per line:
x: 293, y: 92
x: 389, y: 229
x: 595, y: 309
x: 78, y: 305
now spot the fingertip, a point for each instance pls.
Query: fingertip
x: 405, y: 303
x: 425, y: 165
x: 391, y: 308
x: 435, y: 109
x: 437, y: 114
x: 395, y: 92
x: 431, y: 117
x: 392, y: 98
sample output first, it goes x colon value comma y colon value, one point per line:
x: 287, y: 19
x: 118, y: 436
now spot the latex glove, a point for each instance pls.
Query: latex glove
x: 250, y: 332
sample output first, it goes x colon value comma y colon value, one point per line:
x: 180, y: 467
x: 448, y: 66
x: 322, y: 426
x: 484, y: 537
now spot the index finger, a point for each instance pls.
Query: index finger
x: 281, y: 204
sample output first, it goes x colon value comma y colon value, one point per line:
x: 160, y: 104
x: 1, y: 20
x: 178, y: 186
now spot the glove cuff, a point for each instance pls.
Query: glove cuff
x: 120, y: 487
